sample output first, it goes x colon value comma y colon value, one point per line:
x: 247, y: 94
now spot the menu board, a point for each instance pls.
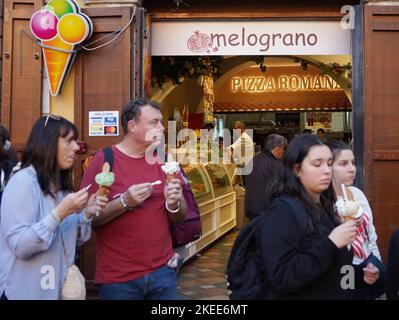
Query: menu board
x: 288, y: 119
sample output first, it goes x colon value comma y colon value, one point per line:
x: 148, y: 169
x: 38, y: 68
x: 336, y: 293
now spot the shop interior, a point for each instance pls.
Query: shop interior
x: 273, y: 94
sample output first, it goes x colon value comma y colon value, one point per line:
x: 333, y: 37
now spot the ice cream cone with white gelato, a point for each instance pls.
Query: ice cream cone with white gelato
x: 347, y: 208
x: 171, y: 169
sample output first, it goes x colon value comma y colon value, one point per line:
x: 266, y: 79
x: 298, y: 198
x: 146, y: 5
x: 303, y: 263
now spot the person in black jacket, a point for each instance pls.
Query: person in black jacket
x: 392, y: 281
x: 265, y: 165
x: 311, y: 262
x: 8, y: 158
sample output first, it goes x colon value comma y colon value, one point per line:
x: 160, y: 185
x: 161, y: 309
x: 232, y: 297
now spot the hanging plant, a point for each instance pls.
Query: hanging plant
x: 177, y: 69
x: 342, y: 70
x: 259, y: 60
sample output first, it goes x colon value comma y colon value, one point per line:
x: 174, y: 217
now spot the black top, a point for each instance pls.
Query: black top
x: 300, y: 264
x: 265, y: 166
x: 6, y: 167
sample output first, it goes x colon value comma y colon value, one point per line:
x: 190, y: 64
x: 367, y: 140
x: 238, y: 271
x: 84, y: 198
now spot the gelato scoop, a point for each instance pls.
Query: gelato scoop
x: 171, y: 168
x: 348, y: 209
x: 104, y: 179
x: 352, y: 208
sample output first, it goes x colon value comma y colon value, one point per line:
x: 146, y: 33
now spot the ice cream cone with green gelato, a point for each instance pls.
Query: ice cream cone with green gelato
x: 104, y: 179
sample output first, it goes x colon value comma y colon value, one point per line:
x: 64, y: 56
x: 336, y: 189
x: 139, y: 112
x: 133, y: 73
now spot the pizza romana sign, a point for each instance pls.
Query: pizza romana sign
x: 249, y: 38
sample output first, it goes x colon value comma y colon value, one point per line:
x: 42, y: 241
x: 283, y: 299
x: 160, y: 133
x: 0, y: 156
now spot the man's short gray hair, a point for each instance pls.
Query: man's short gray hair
x: 273, y: 141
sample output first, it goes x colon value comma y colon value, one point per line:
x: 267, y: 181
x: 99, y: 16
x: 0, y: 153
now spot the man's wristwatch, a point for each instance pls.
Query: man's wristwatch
x: 124, y: 204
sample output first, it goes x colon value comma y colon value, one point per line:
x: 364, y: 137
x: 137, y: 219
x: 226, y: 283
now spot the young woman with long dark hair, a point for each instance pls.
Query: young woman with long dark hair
x: 301, y: 241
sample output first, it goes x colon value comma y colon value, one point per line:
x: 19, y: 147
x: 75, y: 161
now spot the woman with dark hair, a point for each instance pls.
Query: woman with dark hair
x: 8, y: 158
x: 370, y: 275
x: 40, y: 214
x: 302, y: 242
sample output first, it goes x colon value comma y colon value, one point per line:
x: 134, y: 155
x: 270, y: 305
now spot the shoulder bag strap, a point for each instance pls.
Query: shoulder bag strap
x: 65, y: 250
x: 109, y: 156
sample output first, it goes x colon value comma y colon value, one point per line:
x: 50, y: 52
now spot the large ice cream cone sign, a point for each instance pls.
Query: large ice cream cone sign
x: 60, y: 27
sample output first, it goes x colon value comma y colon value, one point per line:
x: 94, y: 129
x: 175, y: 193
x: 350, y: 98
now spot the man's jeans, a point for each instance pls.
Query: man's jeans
x: 158, y: 285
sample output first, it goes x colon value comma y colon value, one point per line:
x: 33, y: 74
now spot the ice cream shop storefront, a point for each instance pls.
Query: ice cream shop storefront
x: 270, y: 60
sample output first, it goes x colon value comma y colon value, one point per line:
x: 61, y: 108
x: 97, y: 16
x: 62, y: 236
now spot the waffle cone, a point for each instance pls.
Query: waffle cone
x: 102, y: 191
x: 347, y: 218
x: 56, y: 62
x: 169, y: 177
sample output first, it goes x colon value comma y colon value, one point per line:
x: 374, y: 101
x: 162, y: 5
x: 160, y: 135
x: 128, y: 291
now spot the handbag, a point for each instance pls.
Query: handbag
x: 74, y: 287
x: 190, y: 229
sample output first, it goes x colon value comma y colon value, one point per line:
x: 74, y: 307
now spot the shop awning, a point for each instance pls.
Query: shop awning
x: 336, y: 104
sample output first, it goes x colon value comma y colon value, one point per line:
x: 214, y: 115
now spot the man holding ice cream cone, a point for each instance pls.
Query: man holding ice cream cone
x: 134, y: 245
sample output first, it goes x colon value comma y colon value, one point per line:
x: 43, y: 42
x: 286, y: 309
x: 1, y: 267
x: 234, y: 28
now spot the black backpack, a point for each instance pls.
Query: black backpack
x: 245, y: 272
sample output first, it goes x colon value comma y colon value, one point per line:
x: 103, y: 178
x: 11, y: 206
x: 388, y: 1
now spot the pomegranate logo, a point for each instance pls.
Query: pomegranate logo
x: 200, y: 42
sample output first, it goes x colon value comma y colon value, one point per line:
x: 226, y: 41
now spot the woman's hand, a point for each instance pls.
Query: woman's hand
x: 371, y: 274
x: 73, y: 202
x: 344, y: 234
x: 95, y: 205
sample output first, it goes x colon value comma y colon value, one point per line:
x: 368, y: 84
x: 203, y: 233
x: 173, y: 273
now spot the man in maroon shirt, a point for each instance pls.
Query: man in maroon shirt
x: 133, y: 240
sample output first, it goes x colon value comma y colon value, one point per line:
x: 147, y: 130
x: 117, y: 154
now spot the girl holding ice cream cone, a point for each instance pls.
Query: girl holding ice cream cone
x: 370, y: 278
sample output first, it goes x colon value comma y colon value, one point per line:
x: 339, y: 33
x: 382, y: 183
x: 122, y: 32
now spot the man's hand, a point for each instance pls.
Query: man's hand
x: 371, y: 274
x: 173, y: 193
x: 138, y: 193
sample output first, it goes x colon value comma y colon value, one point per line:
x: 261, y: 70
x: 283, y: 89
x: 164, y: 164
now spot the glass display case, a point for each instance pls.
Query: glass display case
x: 219, y: 178
x: 216, y: 199
x: 198, y: 181
x: 213, y: 190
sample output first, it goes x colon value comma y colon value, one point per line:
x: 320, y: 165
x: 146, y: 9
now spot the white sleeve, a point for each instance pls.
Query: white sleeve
x: 237, y: 144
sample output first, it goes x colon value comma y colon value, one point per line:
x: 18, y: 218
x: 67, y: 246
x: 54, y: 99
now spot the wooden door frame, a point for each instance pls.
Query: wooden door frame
x: 11, y: 13
x: 94, y: 12
x: 1, y: 50
x: 358, y: 94
x: 380, y: 151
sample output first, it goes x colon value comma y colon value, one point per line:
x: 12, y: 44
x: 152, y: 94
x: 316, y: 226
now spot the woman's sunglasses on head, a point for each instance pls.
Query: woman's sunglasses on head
x: 51, y: 116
